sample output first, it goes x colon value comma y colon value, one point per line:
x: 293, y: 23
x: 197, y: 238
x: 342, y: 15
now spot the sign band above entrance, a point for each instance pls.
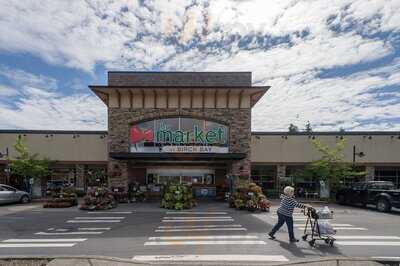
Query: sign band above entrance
x: 179, y: 135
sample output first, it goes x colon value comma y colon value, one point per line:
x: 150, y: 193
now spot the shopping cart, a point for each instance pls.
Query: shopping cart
x: 312, y: 228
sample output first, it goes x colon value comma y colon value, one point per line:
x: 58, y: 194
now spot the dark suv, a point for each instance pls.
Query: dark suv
x: 383, y: 194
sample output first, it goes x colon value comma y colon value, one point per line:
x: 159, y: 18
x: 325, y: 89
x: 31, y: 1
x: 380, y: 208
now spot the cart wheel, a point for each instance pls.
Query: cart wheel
x: 312, y: 243
x: 327, y: 241
x: 331, y: 243
x: 304, y: 237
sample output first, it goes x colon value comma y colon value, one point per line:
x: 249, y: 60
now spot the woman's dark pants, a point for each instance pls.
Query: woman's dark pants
x: 281, y: 220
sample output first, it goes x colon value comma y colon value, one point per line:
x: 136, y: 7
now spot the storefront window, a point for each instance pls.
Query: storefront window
x: 265, y: 176
x: 391, y: 174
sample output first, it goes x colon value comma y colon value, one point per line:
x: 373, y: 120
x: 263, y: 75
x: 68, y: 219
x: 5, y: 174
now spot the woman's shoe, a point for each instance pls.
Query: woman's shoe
x: 271, y: 236
x: 294, y: 240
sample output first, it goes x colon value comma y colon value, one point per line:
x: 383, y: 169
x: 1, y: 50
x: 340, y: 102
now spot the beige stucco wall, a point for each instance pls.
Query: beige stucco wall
x: 382, y: 149
x: 61, y: 147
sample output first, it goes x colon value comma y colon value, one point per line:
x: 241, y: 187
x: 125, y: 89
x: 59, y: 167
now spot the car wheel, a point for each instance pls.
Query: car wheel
x: 383, y: 205
x: 24, y: 199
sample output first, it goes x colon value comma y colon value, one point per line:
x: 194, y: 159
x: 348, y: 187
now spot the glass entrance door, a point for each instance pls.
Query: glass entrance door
x: 181, y: 176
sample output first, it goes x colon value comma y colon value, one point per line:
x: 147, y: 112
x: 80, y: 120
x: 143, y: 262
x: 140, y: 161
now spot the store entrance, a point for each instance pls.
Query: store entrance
x: 202, y: 180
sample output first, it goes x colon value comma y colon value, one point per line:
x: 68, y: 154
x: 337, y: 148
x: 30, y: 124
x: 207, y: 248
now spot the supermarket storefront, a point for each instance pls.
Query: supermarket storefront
x: 190, y: 128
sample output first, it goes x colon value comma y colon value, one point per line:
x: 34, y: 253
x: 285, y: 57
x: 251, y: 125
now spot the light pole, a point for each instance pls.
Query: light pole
x: 359, y: 154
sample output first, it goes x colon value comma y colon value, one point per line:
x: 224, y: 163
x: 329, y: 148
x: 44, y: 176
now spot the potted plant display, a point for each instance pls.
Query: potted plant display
x: 178, y: 197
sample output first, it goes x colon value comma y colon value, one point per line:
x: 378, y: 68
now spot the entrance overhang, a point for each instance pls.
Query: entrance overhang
x: 178, y: 156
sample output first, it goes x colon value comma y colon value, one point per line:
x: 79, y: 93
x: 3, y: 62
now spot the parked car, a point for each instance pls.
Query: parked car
x: 10, y: 194
x: 382, y: 194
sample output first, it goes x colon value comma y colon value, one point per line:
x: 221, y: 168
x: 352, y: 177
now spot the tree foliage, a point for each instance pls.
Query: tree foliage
x: 332, y: 166
x: 28, y: 165
x: 293, y: 128
x: 308, y: 128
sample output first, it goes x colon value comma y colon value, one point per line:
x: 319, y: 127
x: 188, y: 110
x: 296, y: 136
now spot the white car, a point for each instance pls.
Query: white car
x: 9, y: 194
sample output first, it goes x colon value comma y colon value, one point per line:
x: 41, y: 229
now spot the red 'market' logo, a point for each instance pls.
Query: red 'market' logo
x: 138, y: 135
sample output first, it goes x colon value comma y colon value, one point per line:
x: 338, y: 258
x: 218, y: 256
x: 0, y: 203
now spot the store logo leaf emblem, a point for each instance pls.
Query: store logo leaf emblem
x: 138, y: 135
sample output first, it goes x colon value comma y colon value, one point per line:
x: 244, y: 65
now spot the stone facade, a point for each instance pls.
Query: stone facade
x: 121, y: 119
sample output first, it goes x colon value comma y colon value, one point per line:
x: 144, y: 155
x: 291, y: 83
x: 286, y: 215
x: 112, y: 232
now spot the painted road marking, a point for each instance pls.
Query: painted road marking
x: 36, y: 240
x: 200, y: 226
x: 201, y: 229
x: 342, y: 225
x: 203, y: 237
x: 99, y: 218
x: 94, y: 228
x: 37, y: 245
x: 69, y: 233
x: 367, y: 243
x: 368, y: 237
x: 195, y: 217
x: 93, y: 221
x: 186, y: 212
x: 386, y: 258
x: 198, y: 220
x: 341, y: 228
x: 96, y: 212
x: 227, y: 257
x: 210, y: 242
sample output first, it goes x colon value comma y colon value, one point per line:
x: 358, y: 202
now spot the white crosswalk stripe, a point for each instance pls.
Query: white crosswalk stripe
x: 195, y: 217
x: 38, y: 245
x: 194, y: 213
x: 368, y: 237
x: 214, y: 258
x: 93, y: 221
x: 201, y: 229
x: 341, y: 228
x: 36, y: 240
x: 210, y: 242
x: 367, y: 243
x: 200, y: 226
x: 197, y: 220
x: 94, y: 228
x: 100, y: 218
x: 111, y: 212
x: 69, y: 233
x: 203, y: 237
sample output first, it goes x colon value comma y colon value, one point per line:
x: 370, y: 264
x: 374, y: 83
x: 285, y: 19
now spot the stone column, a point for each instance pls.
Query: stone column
x: 117, y: 173
x: 80, y: 176
x: 370, y: 170
x: 280, y: 172
x: 241, y: 168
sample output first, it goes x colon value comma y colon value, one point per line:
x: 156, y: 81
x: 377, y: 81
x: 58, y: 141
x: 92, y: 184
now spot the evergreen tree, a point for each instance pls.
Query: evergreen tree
x: 293, y: 128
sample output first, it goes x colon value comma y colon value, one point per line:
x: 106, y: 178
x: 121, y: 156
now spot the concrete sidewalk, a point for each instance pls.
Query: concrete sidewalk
x: 105, y: 261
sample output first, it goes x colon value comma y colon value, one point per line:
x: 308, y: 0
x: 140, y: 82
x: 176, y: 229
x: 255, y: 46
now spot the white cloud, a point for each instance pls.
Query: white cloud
x: 33, y: 105
x: 285, y: 43
x: 7, y: 91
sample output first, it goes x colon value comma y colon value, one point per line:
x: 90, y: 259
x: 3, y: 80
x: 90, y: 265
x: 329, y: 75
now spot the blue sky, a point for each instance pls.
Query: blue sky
x: 333, y: 63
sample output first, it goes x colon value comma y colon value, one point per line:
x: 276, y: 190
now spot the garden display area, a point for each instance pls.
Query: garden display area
x: 178, y: 197
x: 248, y: 196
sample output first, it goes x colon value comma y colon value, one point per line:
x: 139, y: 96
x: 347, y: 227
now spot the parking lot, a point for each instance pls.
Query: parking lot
x: 211, y: 231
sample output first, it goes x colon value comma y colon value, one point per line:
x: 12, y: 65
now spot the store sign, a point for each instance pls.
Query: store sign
x: 180, y: 134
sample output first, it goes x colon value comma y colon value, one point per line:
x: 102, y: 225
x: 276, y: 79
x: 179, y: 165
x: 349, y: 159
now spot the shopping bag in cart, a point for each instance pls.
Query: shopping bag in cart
x: 325, y: 228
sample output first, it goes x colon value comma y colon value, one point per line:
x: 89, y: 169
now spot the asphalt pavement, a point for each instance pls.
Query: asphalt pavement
x: 145, y: 233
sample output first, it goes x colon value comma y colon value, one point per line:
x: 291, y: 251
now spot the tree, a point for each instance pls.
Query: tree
x: 26, y: 165
x: 308, y: 127
x: 293, y: 128
x: 331, y: 167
